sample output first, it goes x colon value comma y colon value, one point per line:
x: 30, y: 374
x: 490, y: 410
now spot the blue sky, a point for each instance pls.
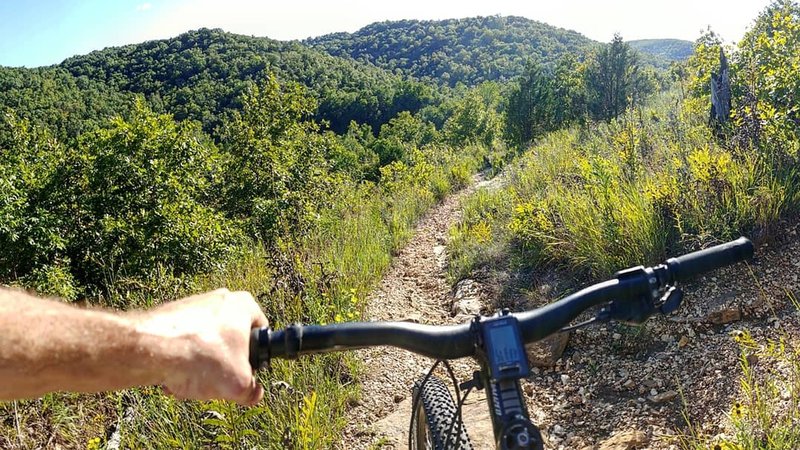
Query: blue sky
x: 35, y: 33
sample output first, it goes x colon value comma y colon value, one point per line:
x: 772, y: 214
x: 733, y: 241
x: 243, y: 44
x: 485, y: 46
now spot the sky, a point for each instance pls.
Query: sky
x: 43, y: 32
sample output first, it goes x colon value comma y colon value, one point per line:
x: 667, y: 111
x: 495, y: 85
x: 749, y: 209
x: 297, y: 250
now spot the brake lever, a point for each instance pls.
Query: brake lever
x: 637, y: 312
x: 671, y: 300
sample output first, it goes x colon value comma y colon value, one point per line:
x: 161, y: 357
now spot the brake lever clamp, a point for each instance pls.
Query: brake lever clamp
x: 671, y: 300
x: 635, y: 312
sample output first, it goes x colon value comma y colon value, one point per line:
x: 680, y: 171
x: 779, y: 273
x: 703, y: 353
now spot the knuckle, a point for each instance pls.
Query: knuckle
x: 242, y: 388
x: 244, y: 296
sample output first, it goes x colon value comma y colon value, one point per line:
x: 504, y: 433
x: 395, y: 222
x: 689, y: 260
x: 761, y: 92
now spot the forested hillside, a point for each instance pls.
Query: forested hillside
x: 669, y: 49
x: 52, y: 97
x: 449, y: 52
x: 137, y: 175
x: 201, y: 75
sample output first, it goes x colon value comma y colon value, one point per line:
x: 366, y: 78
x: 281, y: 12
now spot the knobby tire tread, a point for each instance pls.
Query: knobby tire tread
x: 440, y: 412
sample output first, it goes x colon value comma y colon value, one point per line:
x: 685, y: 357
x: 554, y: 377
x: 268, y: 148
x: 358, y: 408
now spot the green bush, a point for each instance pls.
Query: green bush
x: 400, y: 136
x: 601, y: 198
x: 143, y: 191
x: 144, y: 209
x: 33, y: 222
x: 276, y: 175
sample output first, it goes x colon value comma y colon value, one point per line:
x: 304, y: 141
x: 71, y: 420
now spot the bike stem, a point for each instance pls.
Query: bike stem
x: 511, y: 423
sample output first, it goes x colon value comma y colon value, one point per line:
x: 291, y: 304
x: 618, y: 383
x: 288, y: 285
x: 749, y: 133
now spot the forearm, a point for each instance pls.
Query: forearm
x: 47, y: 346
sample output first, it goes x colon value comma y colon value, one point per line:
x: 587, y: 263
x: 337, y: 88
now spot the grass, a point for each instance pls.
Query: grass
x: 654, y: 182
x: 602, y: 197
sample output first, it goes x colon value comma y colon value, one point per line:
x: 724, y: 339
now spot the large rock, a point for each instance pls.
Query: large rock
x: 724, y: 316
x: 546, y: 352
x: 467, y: 301
x: 467, y: 307
x: 626, y: 440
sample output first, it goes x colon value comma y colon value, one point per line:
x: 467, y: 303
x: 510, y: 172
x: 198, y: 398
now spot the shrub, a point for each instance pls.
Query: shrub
x: 276, y: 175
x: 143, y: 191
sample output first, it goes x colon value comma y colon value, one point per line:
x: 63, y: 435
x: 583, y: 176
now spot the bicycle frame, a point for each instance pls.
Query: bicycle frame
x: 510, y: 421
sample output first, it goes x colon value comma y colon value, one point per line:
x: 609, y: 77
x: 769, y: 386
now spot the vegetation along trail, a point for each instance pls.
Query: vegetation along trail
x: 297, y: 171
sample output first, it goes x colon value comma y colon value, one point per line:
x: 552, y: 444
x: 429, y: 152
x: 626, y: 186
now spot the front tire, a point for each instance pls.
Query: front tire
x: 434, y: 417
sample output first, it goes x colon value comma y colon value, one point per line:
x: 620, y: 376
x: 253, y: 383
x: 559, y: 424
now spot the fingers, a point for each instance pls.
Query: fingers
x: 259, y: 319
x: 222, y: 360
x: 256, y: 394
x: 249, y: 393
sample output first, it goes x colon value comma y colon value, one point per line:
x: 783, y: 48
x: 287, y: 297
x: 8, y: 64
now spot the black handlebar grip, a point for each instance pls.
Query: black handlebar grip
x: 693, y: 264
x: 259, y: 347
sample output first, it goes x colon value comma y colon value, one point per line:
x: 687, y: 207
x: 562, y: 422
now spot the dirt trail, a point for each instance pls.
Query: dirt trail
x: 415, y: 289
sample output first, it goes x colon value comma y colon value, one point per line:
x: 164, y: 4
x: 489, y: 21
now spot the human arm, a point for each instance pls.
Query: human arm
x: 196, y: 347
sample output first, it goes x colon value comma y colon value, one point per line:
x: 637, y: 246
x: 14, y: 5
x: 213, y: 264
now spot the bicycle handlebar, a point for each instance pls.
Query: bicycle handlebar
x: 688, y: 266
x: 352, y: 335
x: 458, y: 341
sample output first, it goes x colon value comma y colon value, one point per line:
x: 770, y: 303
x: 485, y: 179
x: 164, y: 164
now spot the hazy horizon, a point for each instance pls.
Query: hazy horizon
x: 34, y: 34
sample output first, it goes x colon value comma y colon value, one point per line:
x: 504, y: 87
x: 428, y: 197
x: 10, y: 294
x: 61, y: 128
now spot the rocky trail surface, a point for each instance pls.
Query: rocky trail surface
x: 604, y: 387
x: 414, y: 289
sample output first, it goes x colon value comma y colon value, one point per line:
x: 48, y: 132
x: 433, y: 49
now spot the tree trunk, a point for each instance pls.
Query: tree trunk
x: 720, y: 93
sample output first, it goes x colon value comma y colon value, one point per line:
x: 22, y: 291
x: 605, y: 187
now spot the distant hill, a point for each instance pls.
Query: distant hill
x: 200, y: 75
x: 447, y: 52
x: 367, y: 76
x: 668, y: 49
x: 54, y: 98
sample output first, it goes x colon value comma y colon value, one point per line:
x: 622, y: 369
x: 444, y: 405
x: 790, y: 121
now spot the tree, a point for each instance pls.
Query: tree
x: 569, y: 90
x: 766, y: 85
x: 401, y: 135
x: 140, y: 196
x: 530, y: 106
x: 475, y: 119
x: 32, y: 231
x: 354, y: 155
x: 614, y: 80
x: 703, y: 62
x: 276, y: 176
